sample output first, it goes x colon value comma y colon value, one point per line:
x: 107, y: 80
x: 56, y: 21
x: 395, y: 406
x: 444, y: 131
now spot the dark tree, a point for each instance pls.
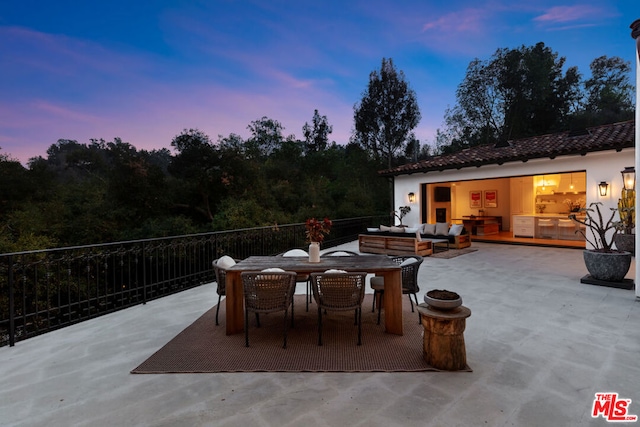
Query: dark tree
x: 609, y: 91
x: 316, y: 135
x: 197, y: 164
x: 387, y: 114
x: 517, y: 93
x: 266, y: 136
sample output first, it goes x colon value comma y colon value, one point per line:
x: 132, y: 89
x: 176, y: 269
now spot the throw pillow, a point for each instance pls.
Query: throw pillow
x: 455, y: 229
x: 410, y: 230
x: 226, y: 261
x: 273, y: 270
x: 373, y: 229
x: 385, y: 228
x: 333, y: 271
x: 429, y: 229
x: 397, y: 229
x: 442, y: 228
x: 295, y: 252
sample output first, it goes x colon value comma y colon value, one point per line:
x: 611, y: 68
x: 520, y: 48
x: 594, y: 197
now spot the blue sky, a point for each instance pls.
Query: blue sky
x: 145, y: 70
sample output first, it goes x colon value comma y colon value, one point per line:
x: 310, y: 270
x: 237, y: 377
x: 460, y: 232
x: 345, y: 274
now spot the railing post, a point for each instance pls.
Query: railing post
x: 144, y: 274
x: 12, y: 321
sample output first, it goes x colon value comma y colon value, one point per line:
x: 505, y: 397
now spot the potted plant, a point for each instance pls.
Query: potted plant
x: 404, y: 210
x: 625, y: 239
x: 316, y: 230
x: 602, y: 261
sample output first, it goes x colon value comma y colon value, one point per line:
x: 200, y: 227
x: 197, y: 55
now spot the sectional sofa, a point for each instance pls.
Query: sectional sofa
x: 412, y: 240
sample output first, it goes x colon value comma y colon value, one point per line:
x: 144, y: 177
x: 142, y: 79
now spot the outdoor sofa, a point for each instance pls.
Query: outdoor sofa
x: 405, y: 240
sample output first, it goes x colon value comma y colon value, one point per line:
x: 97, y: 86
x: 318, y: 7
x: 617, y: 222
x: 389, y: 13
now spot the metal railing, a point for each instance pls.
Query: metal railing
x: 49, y: 289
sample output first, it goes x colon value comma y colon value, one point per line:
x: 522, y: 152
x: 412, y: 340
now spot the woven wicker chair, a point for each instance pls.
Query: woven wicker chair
x: 267, y: 292
x: 409, y: 282
x: 221, y: 280
x: 301, y: 278
x: 339, y: 292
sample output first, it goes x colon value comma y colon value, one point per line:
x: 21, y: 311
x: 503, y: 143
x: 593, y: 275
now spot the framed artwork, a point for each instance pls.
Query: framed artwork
x: 491, y: 198
x: 475, y: 199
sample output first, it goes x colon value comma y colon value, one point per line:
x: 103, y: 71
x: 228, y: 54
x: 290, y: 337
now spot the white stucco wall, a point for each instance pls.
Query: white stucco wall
x: 604, y: 166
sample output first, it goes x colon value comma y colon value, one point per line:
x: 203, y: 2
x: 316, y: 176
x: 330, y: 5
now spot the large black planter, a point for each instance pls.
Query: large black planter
x: 607, y: 266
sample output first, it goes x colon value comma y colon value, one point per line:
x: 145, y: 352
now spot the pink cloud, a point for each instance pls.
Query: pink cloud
x: 561, y: 14
x: 60, y: 112
x: 465, y: 21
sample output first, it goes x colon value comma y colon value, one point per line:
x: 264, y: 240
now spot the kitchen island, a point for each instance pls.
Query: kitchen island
x: 547, y: 226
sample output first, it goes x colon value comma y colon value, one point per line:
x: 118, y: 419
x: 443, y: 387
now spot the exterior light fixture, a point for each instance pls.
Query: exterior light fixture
x: 603, y: 186
x: 629, y: 178
x: 412, y: 197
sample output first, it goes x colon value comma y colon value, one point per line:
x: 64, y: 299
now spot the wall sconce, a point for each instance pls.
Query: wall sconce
x: 603, y: 186
x: 629, y: 178
x: 412, y: 197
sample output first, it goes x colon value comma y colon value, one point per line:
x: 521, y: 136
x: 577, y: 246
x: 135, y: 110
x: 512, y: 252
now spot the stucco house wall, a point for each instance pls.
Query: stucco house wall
x: 599, y: 166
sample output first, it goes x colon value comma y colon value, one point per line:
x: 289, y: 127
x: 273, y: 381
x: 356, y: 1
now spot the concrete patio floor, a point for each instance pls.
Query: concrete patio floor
x: 540, y: 344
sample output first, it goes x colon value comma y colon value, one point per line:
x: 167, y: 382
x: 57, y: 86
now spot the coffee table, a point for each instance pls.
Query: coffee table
x: 437, y: 243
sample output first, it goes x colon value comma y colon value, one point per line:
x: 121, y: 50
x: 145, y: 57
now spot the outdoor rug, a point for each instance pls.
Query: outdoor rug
x: 204, y: 347
x: 452, y: 253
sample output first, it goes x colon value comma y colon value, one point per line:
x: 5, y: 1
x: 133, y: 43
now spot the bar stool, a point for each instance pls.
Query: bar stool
x: 547, y: 229
x: 566, y: 229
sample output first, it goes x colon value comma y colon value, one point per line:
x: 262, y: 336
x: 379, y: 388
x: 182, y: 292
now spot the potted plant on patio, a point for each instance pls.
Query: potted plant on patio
x: 404, y: 210
x: 625, y: 239
x: 602, y: 261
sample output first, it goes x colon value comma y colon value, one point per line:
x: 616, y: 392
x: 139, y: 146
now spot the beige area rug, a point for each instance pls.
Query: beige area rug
x: 452, y: 253
x: 204, y: 347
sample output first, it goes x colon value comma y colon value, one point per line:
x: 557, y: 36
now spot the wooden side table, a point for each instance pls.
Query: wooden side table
x: 444, y: 337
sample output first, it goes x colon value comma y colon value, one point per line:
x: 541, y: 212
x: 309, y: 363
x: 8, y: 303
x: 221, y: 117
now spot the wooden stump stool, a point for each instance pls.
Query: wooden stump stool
x: 444, y: 337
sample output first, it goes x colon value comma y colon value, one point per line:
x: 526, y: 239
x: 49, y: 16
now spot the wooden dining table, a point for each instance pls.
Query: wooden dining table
x: 380, y: 265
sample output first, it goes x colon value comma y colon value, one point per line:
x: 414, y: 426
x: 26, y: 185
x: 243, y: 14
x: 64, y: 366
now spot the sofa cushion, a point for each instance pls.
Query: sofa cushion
x: 295, y: 252
x: 411, y: 230
x: 442, y: 229
x: 456, y: 229
x: 408, y: 261
x: 429, y: 229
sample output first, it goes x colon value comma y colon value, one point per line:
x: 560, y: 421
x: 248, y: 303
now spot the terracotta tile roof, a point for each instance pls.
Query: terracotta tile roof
x: 600, y: 138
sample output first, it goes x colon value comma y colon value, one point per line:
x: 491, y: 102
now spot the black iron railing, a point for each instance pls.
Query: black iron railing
x: 49, y: 289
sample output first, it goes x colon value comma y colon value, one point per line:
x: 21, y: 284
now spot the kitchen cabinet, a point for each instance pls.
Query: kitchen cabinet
x: 546, y: 226
x: 521, y: 195
x: 523, y: 226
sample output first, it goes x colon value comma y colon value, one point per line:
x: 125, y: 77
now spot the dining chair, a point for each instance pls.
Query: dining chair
x: 410, y: 265
x: 339, y: 291
x: 220, y: 266
x: 300, y: 278
x: 267, y: 292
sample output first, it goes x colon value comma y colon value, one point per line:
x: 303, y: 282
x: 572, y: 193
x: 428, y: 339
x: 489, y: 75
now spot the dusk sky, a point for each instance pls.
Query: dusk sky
x: 145, y: 70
